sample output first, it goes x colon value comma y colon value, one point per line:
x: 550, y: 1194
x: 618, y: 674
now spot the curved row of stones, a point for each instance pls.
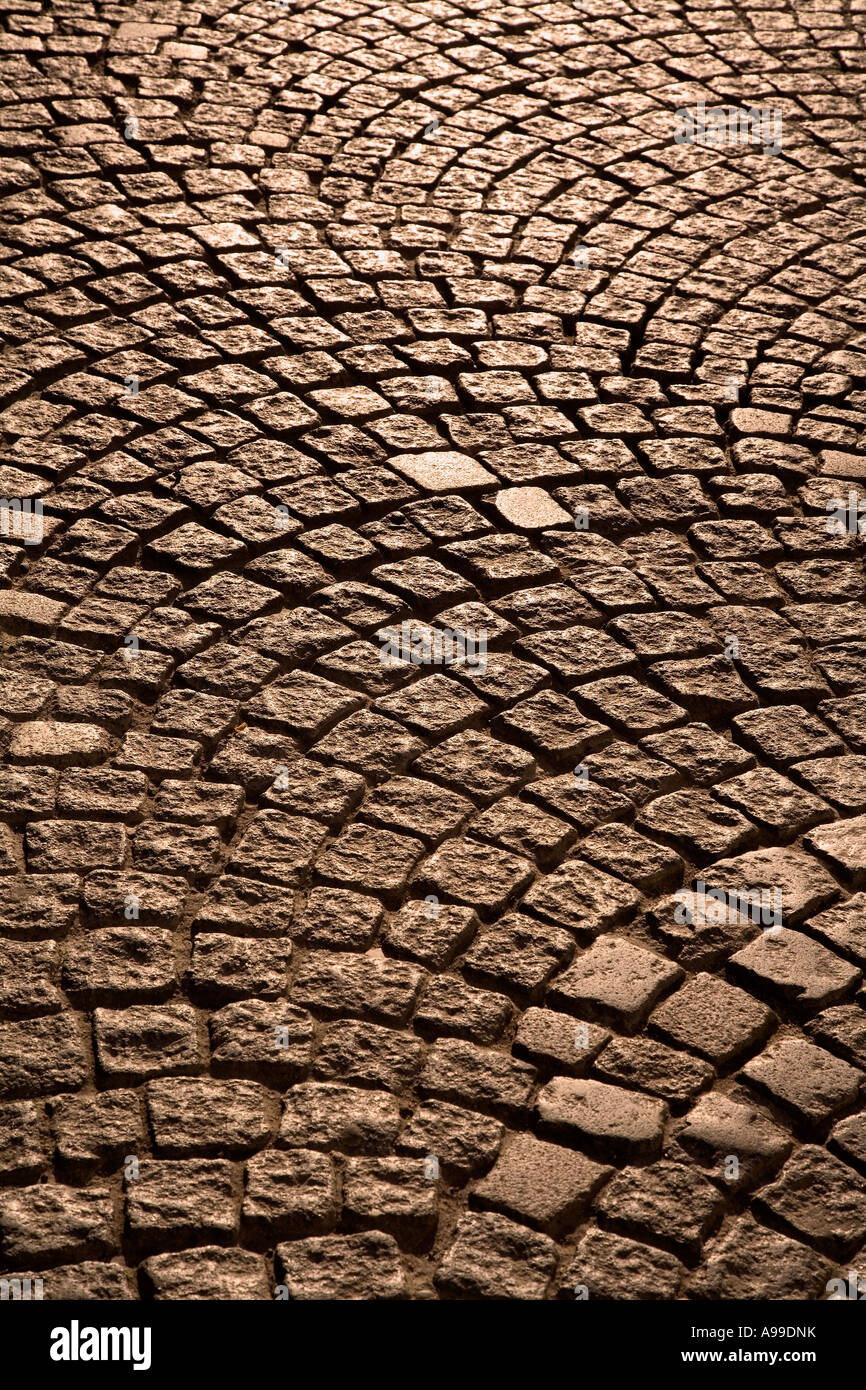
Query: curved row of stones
x: 330, y: 331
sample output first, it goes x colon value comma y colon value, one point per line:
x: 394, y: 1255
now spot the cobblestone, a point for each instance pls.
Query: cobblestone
x: 432, y: 672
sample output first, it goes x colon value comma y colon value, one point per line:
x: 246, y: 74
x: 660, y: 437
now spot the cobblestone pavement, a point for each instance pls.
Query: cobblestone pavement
x: 330, y: 331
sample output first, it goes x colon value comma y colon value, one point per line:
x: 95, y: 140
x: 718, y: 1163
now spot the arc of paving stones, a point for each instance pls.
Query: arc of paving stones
x: 334, y: 329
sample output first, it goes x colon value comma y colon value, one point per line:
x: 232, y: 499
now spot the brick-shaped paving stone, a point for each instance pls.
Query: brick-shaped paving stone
x: 432, y: 676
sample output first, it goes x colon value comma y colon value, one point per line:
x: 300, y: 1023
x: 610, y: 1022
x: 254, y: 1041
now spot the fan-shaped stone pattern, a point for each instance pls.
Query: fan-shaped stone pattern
x: 432, y: 663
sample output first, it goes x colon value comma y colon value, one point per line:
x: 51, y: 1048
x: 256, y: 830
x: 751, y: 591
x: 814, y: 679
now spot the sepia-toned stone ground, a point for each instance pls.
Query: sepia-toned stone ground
x: 332, y: 966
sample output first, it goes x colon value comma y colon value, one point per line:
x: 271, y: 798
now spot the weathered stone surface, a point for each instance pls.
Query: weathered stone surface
x: 554, y: 1042
x: 208, y: 1272
x: 801, y: 884
x: 666, y: 1204
x: 348, y: 1268
x: 819, y: 1200
x: 806, y: 1080
x: 431, y: 649
x: 397, y: 1195
x: 45, y: 1225
x: 59, y: 745
x: 475, y: 875
x: 613, y: 1267
x: 431, y: 932
x: 319, y: 1115
x: 606, y: 1119
x: 442, y: 472
x: 368, y: 986
x: 143, y: 1041
x: 530, y: 509
x: 697, y: 825
x: 170, y: 1205
x: 582, y: 898
x: 651, y: 868
x: 41, y: 1056
x: 463, y: 1144
x: 714, y: 1020
x: 643, y: 1064
x: 96, y: 1132
x: 540, y: 1185
x: 117, y: 964
x: 57, y: 846
x: 289, y: 1194
x: 114, y: 898
x: 719, y: 1129
x: 24, y: 1141
x: 843, y: 845
x: 519, y: 955
x: 787, y: 965
x: 89, y: 1281
x: 843, y: 928
x: 368, y: 1054
x: 203, y: 1118
x: 750, y: 1262
x: 614, y: 982
x: 492, y: 1258
x: 260, y: 1039
x: 478, y: 1078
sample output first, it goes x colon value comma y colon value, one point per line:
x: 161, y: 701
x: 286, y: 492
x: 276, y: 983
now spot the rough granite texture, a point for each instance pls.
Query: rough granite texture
x: 333, y: 964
